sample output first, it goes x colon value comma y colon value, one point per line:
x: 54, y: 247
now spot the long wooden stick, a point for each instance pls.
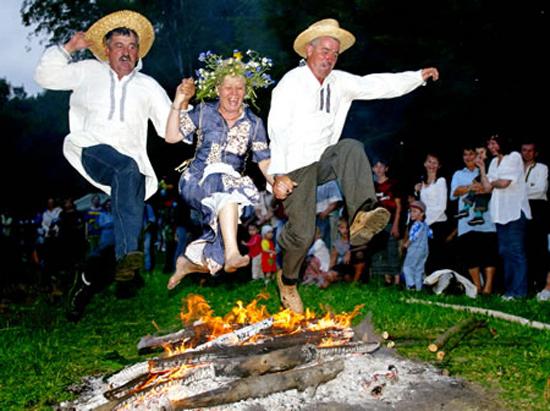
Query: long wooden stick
x: 491, y: 313
x: 150, y: 343
x: 210, y: 354
x: 440, y: 355
x: 462, y: 327
x: 261, y: 386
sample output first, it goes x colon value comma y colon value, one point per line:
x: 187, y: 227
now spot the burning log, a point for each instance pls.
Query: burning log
x: 128, y: 374
x: 284, y: 359
x: 364, y: 331
x: 131, y: 392
x: 349, y: 348
x: 216, y: 352
x: 279, y: 360
x: 150, y: 343
x: 463, y: 328
x: 122, y: 390
x: 275, y: 361
x: 196, y: 336
x: 257, y: 387
x: 238, y: 336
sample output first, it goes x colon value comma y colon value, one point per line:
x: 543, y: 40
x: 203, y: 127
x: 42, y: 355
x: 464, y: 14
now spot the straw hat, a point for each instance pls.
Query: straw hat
x: 325, y: 27
x: 123, y: 18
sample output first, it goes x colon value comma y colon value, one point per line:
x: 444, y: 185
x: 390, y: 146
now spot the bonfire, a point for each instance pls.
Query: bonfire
x: 247, y: 353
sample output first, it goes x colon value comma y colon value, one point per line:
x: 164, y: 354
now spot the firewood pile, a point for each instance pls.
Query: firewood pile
x: 249, y: 356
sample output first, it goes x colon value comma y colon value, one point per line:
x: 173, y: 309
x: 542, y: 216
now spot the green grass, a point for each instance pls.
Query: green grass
x: 42, y: 354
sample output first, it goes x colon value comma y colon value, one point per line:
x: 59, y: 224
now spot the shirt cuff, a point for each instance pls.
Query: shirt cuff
x: 64, y: 52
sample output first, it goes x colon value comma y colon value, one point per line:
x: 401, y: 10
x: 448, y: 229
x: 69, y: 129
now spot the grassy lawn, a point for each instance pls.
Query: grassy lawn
x: 42, y: 354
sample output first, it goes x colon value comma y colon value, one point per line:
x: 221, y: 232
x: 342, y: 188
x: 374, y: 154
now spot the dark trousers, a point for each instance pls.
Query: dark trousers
x: 345, y: 162
x: 537, y: 245
x: 511, y: 247
x: 109, y: 167
x: 438, y: 257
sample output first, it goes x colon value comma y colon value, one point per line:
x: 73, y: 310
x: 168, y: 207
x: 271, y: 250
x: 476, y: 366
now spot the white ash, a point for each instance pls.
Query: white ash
x: 127, y: 374
x: 377, y: 381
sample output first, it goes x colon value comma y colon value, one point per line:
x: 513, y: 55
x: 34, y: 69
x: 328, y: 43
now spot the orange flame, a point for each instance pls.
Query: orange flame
x: 197, y: 312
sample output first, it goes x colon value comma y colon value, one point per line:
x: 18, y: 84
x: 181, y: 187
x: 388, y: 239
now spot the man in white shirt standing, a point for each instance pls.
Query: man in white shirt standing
x: 536, y: 179
x: 110, y: 105
x: 308, y: 111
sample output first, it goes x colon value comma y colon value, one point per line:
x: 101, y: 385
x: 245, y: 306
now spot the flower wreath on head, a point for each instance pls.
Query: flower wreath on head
x: 254, y: 71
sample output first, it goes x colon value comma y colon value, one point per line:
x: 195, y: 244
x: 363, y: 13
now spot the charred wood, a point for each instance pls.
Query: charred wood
x: 275, y: 361
x: 213, y: 353
x: 150, y: 343
x: 364, y: 331
x: 349, y: 348
x: 261, y: 386
x: 120, y: 397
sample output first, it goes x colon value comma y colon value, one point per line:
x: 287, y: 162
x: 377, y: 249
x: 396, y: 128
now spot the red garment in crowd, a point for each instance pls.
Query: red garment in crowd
x: 254, y: 245
x: 386, y: 193
x: 268, y: 256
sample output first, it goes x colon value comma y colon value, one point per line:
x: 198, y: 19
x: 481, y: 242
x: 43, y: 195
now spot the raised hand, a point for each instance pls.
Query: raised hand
x: 430, y: 72
x: 185, y: 91
x: 77, y: 42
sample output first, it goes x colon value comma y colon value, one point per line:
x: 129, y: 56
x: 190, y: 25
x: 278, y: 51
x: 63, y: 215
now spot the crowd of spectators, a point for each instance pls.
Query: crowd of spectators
x: 489, y: 223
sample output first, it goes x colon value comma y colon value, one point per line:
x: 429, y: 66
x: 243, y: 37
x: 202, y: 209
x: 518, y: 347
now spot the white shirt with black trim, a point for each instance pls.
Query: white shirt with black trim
x: 306, y: 117
x: 105, y: 109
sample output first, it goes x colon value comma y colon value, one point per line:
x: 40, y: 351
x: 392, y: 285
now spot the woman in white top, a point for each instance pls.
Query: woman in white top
x: 509, y: 211
x: 432, y: 191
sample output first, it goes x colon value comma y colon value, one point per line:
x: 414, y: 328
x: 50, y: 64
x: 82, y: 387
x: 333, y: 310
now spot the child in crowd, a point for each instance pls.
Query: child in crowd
x: 479, y: 201
x: 417, y: 246
x: 384, y: 248
x: 254, y: 245
x: 318, y: 263
x: 269, y: 266
x: 341, y: 258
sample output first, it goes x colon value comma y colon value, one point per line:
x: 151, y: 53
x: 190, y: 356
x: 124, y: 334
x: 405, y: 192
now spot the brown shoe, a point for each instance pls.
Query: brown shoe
x: 127, y: 266
x: 290, y: 298
x: 367, y: 224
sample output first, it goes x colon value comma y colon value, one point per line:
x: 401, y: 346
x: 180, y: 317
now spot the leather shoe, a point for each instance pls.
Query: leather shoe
x: 290, y: 297
x: 367, y: 224
x: 127, y: 266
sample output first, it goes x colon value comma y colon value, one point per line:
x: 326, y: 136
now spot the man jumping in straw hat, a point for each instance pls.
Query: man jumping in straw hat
x: 111, y: 103
x: 307, y: 115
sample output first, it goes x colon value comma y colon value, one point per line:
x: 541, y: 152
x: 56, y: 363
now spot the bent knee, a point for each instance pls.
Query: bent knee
x: 296, y: 241
x: 351, y: 144
x: 129, y: 167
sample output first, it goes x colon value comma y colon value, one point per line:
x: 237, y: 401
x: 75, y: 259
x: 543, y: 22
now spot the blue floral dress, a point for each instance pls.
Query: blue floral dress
x: 214, y: 177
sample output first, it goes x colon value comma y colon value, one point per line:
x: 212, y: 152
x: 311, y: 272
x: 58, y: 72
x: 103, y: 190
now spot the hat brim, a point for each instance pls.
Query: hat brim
x: 417, y: 207
x: 345, y: 38
x: 123, y: 18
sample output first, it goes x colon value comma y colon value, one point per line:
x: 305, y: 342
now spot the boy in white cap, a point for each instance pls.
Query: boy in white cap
x: 417, y: 247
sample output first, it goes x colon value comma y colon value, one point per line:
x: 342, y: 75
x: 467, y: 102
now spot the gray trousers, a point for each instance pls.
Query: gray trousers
x: 345, y: 162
